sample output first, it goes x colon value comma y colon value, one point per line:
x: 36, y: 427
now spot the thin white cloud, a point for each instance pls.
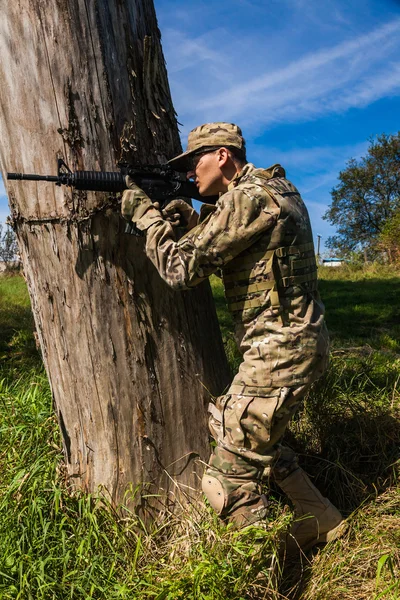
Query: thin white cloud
x: 352, y: 73
x: 318, y: 207
x: 310, y: 68
x: 315, y: 169
x: 383, y: 84
x: 330, y: 16
x: 186, y: 52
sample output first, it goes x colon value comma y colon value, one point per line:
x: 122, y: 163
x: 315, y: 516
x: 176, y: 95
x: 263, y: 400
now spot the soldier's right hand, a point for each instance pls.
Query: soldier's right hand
x: 135, y: 202
x: 180, y: 214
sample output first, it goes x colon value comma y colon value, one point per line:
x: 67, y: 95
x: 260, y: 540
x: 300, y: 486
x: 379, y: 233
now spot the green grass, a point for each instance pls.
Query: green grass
x: 362, y: 306
x: 56, y: 544
x: 17, y: 343
x: 226, y: 324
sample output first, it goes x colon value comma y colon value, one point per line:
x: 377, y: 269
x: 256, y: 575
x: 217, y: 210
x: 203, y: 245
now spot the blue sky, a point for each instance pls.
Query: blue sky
x: 308, y: 81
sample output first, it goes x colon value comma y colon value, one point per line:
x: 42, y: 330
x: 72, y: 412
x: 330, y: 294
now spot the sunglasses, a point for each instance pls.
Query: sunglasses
x: 194, y: 160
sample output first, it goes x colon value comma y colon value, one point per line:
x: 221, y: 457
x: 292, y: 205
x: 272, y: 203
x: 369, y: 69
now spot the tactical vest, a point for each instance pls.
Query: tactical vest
x: 282, y: 261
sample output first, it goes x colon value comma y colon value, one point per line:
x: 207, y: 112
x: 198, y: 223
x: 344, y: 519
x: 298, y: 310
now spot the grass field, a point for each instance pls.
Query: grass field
x: 54, y: 545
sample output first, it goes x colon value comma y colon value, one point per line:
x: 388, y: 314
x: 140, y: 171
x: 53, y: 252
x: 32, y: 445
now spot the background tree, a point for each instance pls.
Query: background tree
x: 8, y: 247
x: 129, y: 360
x: 389, y: 239
x: 366, y: 197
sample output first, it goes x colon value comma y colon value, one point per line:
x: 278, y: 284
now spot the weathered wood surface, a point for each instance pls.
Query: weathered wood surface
x: 128, y: 359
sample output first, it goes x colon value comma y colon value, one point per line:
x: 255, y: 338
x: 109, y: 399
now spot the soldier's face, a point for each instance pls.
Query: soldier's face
x: 207, y: 174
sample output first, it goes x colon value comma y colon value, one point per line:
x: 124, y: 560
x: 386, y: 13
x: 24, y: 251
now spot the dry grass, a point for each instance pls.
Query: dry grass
x: 365, y: 564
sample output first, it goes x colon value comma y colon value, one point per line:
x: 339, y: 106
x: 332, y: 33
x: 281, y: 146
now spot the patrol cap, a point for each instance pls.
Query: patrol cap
x: 205, y: 136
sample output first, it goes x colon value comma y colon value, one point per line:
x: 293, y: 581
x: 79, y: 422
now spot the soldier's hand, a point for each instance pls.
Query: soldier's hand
x: 135, y: 202
x: 180, y: 214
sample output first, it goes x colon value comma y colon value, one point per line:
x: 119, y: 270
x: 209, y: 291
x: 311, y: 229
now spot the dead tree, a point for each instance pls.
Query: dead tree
x: 131, y: 363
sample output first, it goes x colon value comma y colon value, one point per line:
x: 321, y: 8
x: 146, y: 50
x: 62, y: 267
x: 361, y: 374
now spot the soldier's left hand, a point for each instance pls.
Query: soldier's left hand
x: 180, y: 214
x: 135, y: 202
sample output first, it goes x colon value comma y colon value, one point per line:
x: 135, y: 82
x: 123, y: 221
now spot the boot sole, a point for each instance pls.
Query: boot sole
x: 328, y: 536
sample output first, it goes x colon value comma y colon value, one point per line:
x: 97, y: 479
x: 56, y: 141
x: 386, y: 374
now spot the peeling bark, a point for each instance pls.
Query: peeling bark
x: 127, y: 358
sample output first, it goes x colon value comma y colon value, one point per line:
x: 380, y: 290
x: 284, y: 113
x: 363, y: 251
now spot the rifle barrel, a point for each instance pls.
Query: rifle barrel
x: 32, y: 177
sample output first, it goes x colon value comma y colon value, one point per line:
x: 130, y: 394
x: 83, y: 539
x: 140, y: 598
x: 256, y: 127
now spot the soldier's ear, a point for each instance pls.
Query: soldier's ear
x: 223, y: 156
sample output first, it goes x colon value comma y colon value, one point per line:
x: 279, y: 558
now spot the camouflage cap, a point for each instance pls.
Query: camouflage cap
x: 208, y: 135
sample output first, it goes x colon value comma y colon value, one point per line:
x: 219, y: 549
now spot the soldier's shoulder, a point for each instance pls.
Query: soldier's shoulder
x: 261, y: 183
x: 254, y: 184
x: 252, y: 178
x: 250, y: 188
x: 260, y: 176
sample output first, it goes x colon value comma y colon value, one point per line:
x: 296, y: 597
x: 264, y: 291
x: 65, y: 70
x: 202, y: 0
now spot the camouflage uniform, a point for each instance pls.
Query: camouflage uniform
x: 258, y: 235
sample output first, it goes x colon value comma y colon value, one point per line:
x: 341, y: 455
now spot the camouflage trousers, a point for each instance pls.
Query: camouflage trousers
x: 248, y: 431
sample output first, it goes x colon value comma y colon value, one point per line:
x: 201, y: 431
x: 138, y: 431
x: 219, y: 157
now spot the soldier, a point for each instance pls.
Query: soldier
x: 258, y: 235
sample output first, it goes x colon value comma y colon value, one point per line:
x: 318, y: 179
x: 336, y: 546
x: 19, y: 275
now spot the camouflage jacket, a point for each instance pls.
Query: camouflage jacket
x: 279, y: 329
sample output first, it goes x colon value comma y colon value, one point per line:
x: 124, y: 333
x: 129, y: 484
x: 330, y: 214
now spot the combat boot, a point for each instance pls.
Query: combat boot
x: 317, y: 520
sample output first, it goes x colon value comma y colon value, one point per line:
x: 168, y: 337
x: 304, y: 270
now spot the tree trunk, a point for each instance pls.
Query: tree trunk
x: 131, y: 363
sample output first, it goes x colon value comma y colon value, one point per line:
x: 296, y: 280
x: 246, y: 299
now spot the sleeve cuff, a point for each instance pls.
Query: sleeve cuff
x: 149, y: 218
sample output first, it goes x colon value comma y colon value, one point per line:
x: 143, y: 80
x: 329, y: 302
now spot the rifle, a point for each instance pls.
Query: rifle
x: 160, y: 182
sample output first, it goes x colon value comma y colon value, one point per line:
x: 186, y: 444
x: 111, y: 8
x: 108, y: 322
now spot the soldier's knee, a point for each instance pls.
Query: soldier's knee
x: 230, y: 480
x: 214, y: 492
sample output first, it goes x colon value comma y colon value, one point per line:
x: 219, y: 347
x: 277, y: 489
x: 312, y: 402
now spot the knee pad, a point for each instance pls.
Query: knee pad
x: 214, y: 491
x: 230, y: 481
x: 235, y: 501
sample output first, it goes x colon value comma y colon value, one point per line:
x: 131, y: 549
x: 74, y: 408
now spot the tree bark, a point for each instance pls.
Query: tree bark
x: 131, y: 363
